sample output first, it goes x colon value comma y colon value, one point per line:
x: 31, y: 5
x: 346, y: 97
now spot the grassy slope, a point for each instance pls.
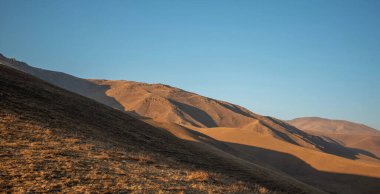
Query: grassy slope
x: 54, y: 140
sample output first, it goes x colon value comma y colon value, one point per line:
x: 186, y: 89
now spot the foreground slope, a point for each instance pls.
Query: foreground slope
x: 361, y: 138
x: 56, y: 141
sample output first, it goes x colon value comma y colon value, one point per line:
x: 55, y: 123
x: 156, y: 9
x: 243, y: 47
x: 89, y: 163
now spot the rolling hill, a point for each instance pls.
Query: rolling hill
x: 326, y: 171
x: 230, y: 131
x: 53, y: 140
x: 169, y: 104
x: 322, y: 125
x: 355, y: 136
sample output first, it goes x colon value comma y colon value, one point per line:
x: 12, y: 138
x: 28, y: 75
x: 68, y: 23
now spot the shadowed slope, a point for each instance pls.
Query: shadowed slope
x: 168, y: 104
x: 333, y: 182
x: 66, y: 81
x: 311, y: 166
x: 357, y: 137
x: 165, y: 103
x: 324, y: 171
x: 57, y: 141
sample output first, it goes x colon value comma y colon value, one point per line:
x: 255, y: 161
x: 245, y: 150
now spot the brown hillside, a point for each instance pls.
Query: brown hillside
x: 332, y: 126
x: 56, y: 141
x: 326, y: 171
x: 235, y: 134
x: 169, y: 104
x: 358, y: 137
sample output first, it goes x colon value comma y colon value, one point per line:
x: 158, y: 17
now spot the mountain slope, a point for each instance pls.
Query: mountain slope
x: 65, y: 81
x: 332, y: 126
x: 168, y: 104
x: 326, y: 171
x: 355, y: 136
x: 232, y: 132
x: 53, y: 140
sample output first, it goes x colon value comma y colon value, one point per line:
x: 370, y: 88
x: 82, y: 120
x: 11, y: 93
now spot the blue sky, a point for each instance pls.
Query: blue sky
x: 280, y: 58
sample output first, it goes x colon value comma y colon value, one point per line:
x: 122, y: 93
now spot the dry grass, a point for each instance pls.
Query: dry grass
x: 198, y: 176
x: 35, y: 159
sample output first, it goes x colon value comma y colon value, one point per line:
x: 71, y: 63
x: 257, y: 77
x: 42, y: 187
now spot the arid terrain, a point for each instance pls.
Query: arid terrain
x: 157, y: 128
x: 354, y: 136
x: 53, y: 140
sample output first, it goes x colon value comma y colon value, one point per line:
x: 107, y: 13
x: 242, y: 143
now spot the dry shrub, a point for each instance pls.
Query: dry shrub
x: 71, y: 140
x: 102, y: 156
x: 197, y: 176
x: 262, y: 190
x: 142, y: 158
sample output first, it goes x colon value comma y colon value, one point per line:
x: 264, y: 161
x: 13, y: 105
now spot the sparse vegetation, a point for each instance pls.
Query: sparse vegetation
x: 36, y: 159
x: 54, y: 141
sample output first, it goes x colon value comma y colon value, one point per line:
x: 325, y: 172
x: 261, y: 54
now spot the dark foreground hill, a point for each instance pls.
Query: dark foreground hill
x: 53, y: 140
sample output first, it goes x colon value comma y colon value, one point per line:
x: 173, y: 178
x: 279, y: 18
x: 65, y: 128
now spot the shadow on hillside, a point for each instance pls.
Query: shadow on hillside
x: 234, y: 109
x: 98, y: 93
x: 280, y: 162
x: 289, y: 164
x: 364, y: 152
x: 330, y: 146
x: 294, y: 166
x: 71, y: 83
x: 196, y: 113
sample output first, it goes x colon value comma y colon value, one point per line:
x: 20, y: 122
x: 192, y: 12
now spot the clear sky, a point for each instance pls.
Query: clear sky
x: 280, y: 58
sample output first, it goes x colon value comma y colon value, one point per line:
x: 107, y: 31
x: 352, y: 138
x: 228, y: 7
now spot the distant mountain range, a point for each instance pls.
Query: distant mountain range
x: 323, y: 153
